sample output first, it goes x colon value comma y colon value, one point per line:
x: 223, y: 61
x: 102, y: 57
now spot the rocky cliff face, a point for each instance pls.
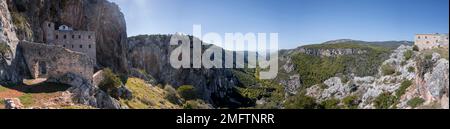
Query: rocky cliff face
x: 332, y: 52
x: 8, y: 44
x: 100, y: 16
x: 152, y: 54
x: 432, y: 80
x: 288, y: 75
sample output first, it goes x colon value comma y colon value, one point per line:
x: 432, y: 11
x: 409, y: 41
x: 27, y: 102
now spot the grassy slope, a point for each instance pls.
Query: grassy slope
x: 146, y: 96
x: 2, y: 89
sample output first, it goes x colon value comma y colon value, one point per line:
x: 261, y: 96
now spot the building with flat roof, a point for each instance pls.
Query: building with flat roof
x: 67, y: 37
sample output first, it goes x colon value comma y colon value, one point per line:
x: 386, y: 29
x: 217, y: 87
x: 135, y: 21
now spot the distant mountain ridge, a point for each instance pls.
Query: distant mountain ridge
x: 390, y: 44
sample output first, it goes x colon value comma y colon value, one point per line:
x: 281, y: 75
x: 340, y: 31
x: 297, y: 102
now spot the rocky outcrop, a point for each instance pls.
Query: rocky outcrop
x: 288, y: 77
x: 83, y: 92
x: 335, y: 88
x: 433, y: 79
x: 7, y: 29
x: 358, y: 58
x: 13, y: 103
x: 437, y: 80
x: 9, y: 56
x: 389, y: 83
x: 430, y: 82
x: 100, y: 16
x: 291, y: 85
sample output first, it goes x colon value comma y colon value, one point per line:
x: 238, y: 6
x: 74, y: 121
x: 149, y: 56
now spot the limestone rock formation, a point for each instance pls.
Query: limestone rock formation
x: 361, y: 58
x: 434, y: 83
x: 85, y: 93
x: 430, y: 82
x: 10, y: 61
x: 292, y: 81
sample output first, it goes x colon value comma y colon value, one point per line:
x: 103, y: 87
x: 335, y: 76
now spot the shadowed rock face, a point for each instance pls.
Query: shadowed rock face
x: 152, y: 54
x: 100, y: 16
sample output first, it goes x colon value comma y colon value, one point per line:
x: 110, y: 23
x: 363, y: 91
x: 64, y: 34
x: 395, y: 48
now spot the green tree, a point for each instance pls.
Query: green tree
x: 187, y: 92
x: 351, y: 102
x: 301, y: 101
x: 411, y: 69
x: 415, y: 102
x: 387, y: 69
x: 408, y: 54
x: 110, y: 83
x: 330, y: 104
x: 403, y: 87
x: 172, y: 95
x: 385, y: 101
x: 4, y: 50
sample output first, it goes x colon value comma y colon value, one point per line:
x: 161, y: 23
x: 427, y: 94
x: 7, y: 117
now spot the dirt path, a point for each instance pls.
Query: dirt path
x: 10, y: 93
x: 36, y: 93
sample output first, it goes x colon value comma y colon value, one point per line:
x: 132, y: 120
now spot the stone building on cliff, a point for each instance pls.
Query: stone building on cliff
x: 64, y: 52
x: 430, y: 41
x: 67, y: 37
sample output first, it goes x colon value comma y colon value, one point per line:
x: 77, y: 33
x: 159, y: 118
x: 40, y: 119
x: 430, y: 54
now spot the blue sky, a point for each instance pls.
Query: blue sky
x: 298, y: 22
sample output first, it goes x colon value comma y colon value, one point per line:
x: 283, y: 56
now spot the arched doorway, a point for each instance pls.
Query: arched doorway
x: 41, y: 70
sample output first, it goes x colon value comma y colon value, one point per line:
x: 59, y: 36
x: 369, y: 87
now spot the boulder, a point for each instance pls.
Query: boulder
x: 13, y: 103
x: 83, y: 92
x: 437, y: 81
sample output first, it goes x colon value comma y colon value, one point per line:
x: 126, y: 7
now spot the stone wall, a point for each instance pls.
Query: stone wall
x: 97, y: 78
x: 79, y: 41
x: 54, y: 62
x: 430, y: 41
